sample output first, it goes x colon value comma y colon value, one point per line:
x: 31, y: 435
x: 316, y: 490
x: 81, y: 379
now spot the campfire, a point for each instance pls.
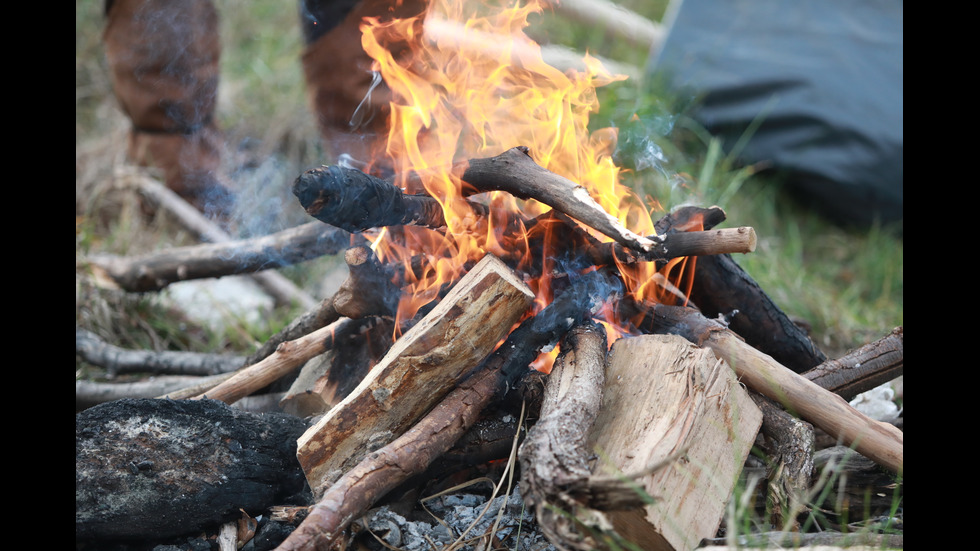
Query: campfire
x: 493, y: 250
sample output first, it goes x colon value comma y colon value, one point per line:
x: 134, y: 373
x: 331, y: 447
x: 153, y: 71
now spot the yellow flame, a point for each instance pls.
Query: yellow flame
x: 472, y: 86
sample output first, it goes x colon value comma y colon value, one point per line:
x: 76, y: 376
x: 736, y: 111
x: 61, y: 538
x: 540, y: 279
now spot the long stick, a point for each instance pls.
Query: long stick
x: 880, y: 442
x: 515, y: 172
x: 287, y: 357
x: 156, y: 271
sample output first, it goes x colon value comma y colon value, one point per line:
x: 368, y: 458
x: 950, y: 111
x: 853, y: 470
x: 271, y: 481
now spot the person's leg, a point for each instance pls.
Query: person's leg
x: 163, y: 56
x: 350, y: 103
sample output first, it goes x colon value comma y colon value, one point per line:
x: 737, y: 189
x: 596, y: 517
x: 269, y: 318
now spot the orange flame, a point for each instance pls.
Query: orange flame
x: 473, y: 86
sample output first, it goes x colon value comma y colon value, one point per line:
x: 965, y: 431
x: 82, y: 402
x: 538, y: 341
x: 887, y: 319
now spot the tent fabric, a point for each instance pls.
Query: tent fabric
x: 822, y: 78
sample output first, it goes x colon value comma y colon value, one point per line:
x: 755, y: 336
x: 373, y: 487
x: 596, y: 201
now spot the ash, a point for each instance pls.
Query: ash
x: 462, y: 522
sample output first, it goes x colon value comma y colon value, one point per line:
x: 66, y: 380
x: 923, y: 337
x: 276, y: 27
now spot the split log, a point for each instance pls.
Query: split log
x: 863, y: 369
x: 880, y: 442
x: 666, y: 396
x: 419, y: 369
x: 152, y: 469
x: 116, y: 360
x: 722, y: 288
x: 287, y: 357
x: 383, y: 470
x: 515, y: 172
x: 555, y: 457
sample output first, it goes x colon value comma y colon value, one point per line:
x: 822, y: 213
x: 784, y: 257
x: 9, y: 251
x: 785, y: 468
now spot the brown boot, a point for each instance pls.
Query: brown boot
x: 163, y: 56
x: 351, y: 103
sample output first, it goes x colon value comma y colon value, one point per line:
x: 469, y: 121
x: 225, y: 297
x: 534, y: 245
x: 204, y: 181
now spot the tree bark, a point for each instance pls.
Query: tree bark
x: 555, y: 457
x: 863, y: 369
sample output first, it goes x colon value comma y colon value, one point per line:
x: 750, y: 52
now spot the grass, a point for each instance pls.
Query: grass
x: 845, y: 284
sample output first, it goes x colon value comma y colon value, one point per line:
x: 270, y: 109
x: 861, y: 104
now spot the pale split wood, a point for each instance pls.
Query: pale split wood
x: 665, y: 396
x: 419, y: 369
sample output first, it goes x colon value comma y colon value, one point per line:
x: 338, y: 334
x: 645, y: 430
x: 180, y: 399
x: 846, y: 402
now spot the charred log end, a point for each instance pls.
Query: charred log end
x: 309, y: 189
x: 148, y: 469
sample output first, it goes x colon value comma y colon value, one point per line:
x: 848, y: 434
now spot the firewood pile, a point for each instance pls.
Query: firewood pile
x: 642, y: 437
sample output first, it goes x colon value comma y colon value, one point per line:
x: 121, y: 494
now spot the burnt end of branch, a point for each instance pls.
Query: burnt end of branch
x: 355, y: 201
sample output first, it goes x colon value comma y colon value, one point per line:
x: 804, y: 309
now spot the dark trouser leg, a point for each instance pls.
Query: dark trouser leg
x: 338, y: 73
x: 163, y: 56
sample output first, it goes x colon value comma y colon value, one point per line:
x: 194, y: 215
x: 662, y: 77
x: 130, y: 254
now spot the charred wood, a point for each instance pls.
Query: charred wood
x: 355, y: 201
x: 367, y: 291
x: 330, y: 377
x: 152, y: 469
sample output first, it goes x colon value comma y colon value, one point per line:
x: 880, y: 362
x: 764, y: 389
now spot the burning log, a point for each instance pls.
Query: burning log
x: 411, y: 453
x: 354, y: 201
x: 880, y: 442
x: 863, y: 369
x: 515, y: 172
x: 350, y: 199
x: 555, y: 456
x: 419, y: 369
x: 666, y: 397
